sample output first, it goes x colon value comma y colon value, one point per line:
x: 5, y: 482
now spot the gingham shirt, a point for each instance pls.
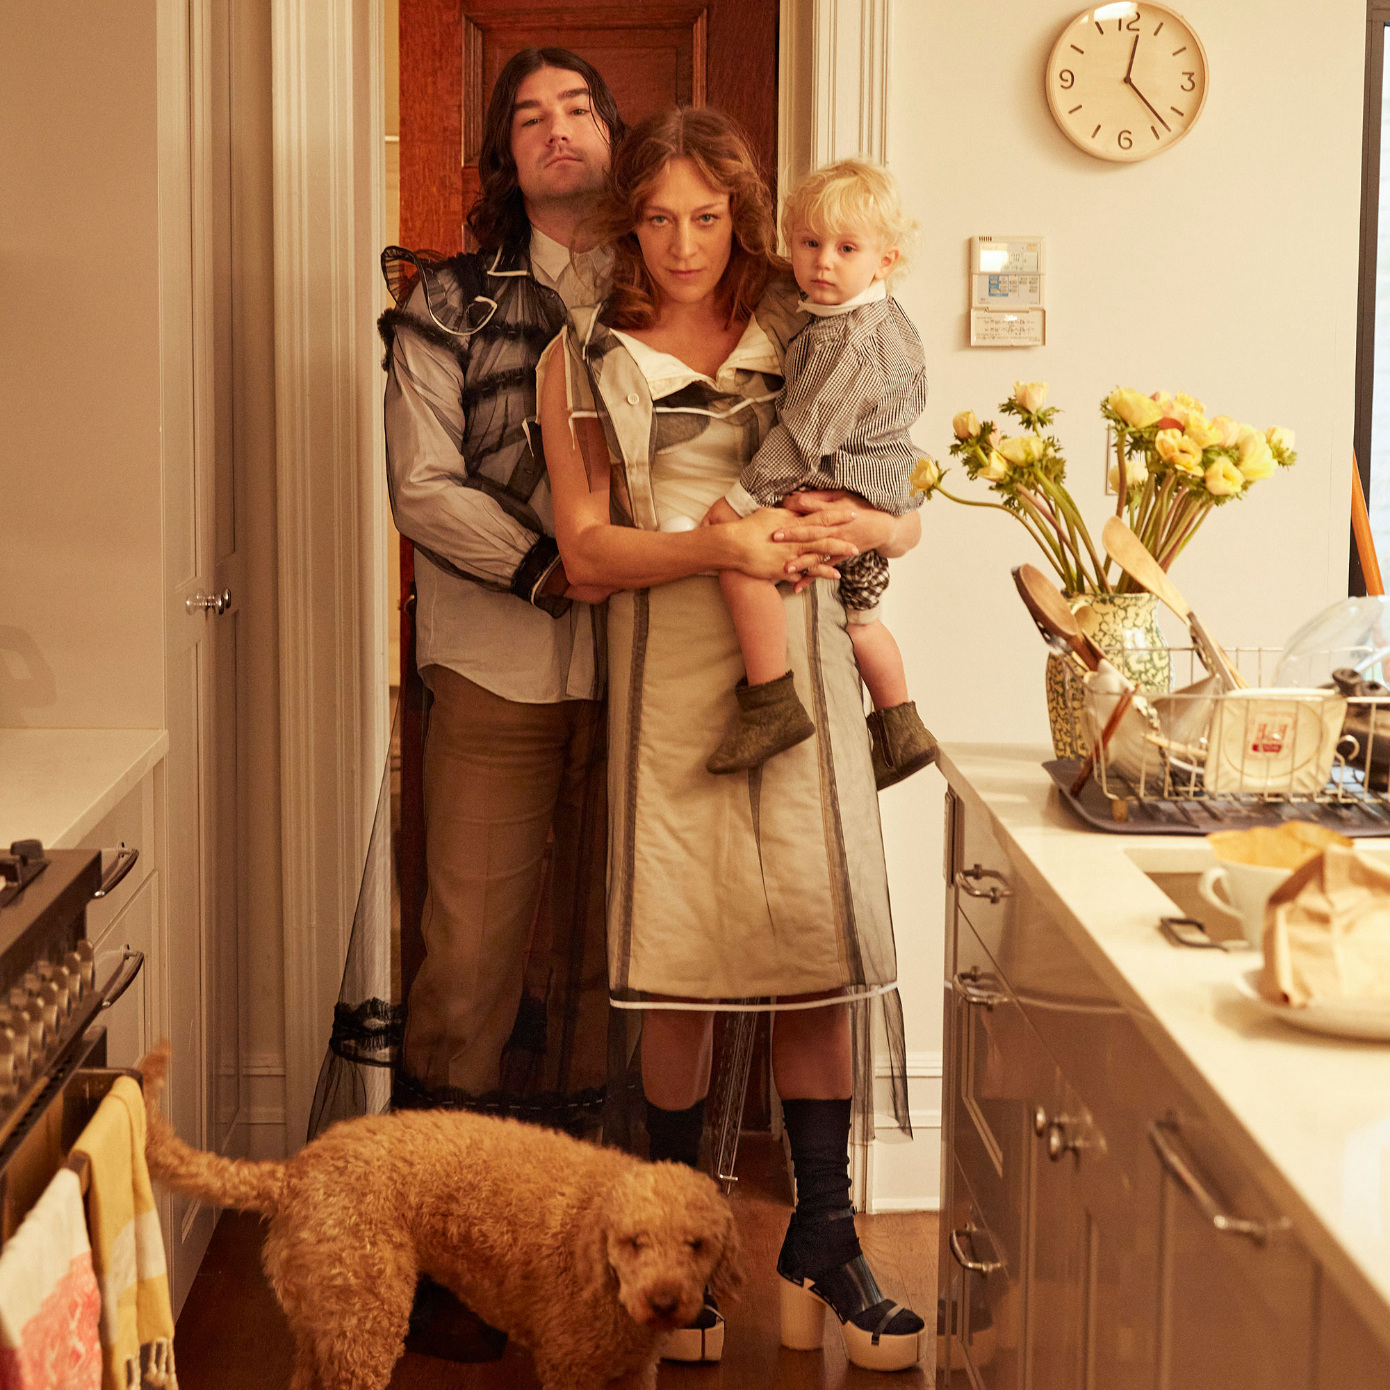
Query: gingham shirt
x: 854, y: 384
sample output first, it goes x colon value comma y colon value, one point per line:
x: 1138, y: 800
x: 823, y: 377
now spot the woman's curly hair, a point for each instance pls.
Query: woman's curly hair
x: 498, y: 215
x: 717, y: 147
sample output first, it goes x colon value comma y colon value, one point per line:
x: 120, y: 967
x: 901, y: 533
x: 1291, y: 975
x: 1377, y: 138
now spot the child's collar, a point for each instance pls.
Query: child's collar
x: 876, y: 291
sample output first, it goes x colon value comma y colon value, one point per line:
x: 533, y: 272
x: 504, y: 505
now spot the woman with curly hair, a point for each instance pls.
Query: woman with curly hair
x: 764, y: 890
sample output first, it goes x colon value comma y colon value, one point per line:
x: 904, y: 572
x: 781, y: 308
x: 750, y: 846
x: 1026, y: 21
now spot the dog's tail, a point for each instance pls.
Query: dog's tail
x: 229, y: 1182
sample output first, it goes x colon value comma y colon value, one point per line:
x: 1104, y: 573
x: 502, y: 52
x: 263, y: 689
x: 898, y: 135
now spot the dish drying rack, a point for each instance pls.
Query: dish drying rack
x: 1190, y: 760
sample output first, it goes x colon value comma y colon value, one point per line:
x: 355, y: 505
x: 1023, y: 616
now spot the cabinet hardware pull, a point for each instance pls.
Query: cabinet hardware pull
x: 965, y: 1261
x: 1039, y: 1120
x: 209, y: 603
x: 970, y: 988
x: 1058, y: 1144
x: 968, y: 879
x: 1162, y: 1134
x: 125, y: 862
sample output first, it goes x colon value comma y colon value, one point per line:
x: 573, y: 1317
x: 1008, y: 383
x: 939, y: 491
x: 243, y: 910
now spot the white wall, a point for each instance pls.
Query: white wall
x: 1226, y: 267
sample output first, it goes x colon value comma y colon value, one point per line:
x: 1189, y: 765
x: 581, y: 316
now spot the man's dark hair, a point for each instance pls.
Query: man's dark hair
x: 498, y: 217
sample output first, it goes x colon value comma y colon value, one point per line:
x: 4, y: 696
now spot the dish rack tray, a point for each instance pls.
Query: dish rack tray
x: 1270, y: 756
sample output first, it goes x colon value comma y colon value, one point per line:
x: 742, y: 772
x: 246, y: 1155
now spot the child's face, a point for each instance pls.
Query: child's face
x: 835, y: 266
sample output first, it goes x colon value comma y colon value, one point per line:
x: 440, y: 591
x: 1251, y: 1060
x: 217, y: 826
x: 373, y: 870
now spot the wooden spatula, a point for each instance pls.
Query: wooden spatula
x: 1049, y: 611
x: 1127, y: 551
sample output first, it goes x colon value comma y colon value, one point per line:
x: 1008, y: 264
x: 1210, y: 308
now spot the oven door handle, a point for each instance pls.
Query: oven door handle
x: 124, y: 977
x: 125, y: 862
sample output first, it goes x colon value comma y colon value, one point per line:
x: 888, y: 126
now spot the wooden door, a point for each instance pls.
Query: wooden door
x: 721, y: 53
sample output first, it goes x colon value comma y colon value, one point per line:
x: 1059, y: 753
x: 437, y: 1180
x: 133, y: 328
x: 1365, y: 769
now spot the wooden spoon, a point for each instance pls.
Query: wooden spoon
x: 1049, y: 611
x: 1127, y: 551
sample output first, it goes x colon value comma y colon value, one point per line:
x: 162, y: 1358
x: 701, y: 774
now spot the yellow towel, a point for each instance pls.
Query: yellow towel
x: 137, y: 1320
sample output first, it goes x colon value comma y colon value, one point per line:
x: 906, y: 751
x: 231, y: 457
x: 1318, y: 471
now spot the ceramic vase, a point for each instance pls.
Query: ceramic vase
x: 1125, y: 627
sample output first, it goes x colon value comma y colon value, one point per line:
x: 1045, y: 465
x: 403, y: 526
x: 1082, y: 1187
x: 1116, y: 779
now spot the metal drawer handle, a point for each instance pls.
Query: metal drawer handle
x: 1163, y: 1133
x: 967, y: 880
x: 124, y: 977
x: 965, y: 1261
x: 125, y: 862
x: 969, y: 986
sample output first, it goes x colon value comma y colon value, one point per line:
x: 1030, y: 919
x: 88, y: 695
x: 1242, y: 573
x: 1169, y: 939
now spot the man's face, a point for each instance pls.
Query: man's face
x: 559, y: 145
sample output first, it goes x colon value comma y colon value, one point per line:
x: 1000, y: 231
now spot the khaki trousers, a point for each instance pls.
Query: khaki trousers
x: 498, y: 776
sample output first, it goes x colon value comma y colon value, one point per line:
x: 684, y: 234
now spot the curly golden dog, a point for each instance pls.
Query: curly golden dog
x: 586, y: 1256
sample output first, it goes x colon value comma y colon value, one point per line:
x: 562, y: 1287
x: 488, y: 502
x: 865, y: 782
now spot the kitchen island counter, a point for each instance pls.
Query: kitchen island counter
x: 1307, y: 1116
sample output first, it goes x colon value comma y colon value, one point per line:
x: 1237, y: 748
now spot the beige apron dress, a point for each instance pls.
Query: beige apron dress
x: 754, y: 890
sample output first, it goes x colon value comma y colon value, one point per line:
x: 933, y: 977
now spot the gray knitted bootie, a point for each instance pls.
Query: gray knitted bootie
x: 902, y: 743
x: 770, y: 720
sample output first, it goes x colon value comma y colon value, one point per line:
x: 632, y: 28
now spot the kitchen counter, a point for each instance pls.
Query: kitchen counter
x: 1309, y: 1116
x: 57, y: 785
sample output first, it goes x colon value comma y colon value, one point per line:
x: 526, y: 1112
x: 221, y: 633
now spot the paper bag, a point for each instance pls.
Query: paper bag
x: 1327, y: 931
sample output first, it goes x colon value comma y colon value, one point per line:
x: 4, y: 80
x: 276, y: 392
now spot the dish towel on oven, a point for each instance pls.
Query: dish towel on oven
x: 137, y: 1321
x: 49, y: 1303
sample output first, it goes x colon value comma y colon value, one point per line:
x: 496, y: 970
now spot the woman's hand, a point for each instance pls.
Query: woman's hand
x: 765, y: 549
x: 847, y: 516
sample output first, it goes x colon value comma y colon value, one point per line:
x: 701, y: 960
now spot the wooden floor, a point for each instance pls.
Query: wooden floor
x: 231, y: 1335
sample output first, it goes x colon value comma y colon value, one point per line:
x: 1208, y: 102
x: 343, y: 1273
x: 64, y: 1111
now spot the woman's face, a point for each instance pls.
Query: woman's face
x: 686, y: 232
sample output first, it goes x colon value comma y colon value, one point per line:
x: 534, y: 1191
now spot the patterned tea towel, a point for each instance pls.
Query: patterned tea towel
x: 49, y: 1302
x: 137, y: 1321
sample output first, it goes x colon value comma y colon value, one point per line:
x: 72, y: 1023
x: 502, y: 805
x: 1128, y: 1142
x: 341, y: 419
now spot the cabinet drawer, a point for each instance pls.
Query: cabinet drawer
x: 984, y: 1301
x: 131, y: 823
x: 1001, y: 1075
x: 982, y: 882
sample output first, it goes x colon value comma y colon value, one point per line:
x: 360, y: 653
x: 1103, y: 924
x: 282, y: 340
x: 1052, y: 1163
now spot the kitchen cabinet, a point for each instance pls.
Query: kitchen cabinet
x: 1101, y: 1228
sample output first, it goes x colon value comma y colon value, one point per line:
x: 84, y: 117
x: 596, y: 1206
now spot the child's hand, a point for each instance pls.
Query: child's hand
x: 720, y: 514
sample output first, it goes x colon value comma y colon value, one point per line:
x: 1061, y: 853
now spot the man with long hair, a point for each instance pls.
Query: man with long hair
x: 509, y: 1008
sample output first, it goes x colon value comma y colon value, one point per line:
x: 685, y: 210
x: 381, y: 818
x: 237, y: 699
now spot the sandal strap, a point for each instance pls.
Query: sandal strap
x: 893, y: 1309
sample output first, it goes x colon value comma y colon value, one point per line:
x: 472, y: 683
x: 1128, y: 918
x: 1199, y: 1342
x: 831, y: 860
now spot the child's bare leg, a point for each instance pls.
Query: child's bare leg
x: 761, y: 622
x: 880, y: 664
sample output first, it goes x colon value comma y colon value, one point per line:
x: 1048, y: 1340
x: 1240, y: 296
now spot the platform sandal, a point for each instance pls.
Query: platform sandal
x: 879, y: 1335
x: 702, y: 1340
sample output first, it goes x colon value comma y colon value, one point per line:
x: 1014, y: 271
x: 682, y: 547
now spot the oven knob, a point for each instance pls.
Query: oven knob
x: 52, y: 1010
x: 86, y: 953
x: 32, y: 983
x: 38, y: 1032
x: 19, y: 997
x: 72, y: 963
x: 67, y: 995
x: 17, y: 1029
x: 7, y: 1066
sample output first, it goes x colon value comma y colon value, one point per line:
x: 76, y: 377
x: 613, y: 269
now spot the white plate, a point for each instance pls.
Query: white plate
x: 1368, y: 1019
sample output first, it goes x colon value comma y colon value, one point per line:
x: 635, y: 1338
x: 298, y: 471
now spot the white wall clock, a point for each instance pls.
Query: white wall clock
x: 1127, y: 80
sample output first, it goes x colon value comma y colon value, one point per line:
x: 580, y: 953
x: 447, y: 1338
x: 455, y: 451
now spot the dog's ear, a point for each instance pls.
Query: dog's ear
x: 590, y: 1249
x: 727, y: 1277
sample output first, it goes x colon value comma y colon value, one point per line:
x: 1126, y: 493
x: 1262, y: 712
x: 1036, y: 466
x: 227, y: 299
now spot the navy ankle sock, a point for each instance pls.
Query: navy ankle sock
x: 821, y: 1235
x: 675, y: 1134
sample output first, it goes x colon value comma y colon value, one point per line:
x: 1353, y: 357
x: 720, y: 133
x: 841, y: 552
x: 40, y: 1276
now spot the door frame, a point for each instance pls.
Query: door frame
x: 334, y: 594
x: 334, y: 572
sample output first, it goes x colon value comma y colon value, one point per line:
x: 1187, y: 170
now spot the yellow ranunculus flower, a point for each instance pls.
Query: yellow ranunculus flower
x: 1224, y: 479
x: 1136, y: 474
x: 1133, y: 407
x: 965, y: 424
x: 1227, y: 431
x: 926, y: 476
x: 1022, y: 449
x: 1279, y: 437
x: 1200, y: 430
x: 1163, y: 400
x: 996, y: 467
x: 1256, y: 457
x: 1189, y: 403
x: 1175, y: 447
x: 1030, y: 395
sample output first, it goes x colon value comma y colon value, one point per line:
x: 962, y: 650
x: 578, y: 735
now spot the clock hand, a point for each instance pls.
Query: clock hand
x: 1147, y: 103
x: 1130, y: 68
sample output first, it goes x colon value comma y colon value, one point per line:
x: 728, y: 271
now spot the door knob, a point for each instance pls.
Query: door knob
x: 216, y: 603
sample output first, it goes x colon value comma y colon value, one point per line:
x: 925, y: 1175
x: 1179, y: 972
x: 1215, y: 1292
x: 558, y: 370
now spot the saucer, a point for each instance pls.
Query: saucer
x: 1365, y: 1019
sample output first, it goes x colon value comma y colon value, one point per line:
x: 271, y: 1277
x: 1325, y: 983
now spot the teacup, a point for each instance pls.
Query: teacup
x: 1247, y: 889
